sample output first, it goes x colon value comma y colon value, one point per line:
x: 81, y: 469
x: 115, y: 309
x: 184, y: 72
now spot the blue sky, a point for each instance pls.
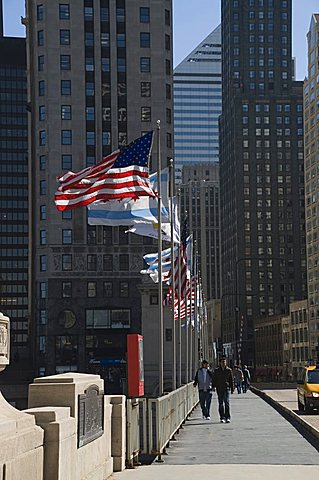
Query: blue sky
x: 193, y: 21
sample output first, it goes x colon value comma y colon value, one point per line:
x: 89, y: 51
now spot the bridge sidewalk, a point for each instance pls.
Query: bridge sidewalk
x: 258, y: 444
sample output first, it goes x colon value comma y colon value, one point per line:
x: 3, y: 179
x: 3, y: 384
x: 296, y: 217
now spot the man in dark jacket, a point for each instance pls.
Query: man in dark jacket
x: 223, y: 381
x: 203, y: 379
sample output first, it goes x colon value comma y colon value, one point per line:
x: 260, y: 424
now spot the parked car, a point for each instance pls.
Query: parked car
x: 308, y: 389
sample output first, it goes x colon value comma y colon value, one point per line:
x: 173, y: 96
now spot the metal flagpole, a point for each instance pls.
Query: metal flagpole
x: 179, y: 350
x: 160, y: 284
x: 172, y: 218
x: 191, y: 330
x: 195, y: 310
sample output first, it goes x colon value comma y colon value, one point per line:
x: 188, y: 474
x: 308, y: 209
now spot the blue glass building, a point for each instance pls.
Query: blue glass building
x: 197, y: 104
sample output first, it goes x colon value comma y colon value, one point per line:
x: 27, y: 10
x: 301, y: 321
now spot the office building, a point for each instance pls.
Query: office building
x: 100, y: 76
x: 14, y: 203
x: 200, y: 199
x: 311, y: 124
x: 197, y: 104
x: 261, y: 169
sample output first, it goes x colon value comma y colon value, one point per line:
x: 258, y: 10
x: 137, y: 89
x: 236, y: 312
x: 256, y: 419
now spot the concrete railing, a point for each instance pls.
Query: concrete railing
x: 166, y: 415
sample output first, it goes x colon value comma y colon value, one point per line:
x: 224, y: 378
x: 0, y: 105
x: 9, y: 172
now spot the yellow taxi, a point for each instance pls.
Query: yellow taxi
x: 308, y: 389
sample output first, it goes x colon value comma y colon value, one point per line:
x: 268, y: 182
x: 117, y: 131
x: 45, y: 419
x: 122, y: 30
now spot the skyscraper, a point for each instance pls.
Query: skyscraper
x: 197, y: 104
x: 14, y: 201
x: 261, y: 169
x: 311, y: 121
x: 100, y: 75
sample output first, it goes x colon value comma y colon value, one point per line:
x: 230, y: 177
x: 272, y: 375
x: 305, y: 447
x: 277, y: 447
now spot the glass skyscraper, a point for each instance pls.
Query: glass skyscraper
x: 14, y: 202
x: 197, y: 104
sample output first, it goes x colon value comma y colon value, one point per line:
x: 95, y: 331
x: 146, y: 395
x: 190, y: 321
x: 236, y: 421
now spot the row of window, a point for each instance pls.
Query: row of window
x: 262, y: 3
x: 65, y: 14
x: 67, y: 290
x: 67, y: 263
x: 65, y: 64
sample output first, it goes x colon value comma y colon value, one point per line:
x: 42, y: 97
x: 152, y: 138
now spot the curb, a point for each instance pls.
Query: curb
x: 286, y: 411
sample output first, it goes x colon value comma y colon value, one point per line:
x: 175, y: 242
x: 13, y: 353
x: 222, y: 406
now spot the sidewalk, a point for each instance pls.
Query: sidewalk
x: 259, y: 444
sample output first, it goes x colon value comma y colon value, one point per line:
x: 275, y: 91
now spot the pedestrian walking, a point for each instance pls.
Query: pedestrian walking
x: 203, y: 379
x: 246, y: 382
x: 223, y: 381
x: 238, y: 378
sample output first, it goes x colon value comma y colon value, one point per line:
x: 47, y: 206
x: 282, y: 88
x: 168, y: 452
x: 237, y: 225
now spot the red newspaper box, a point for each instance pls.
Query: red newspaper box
x: 135, y: 365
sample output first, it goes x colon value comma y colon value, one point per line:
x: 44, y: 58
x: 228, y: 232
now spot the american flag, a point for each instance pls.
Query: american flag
x: 122, y: 174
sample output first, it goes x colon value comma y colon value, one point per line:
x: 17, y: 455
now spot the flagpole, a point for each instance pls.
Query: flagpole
x: 196, y: 363
x: 160, y: 284
x: 171, y: 194
x: 191, y: 330
x: 186, y: 325
x: 179, y: 352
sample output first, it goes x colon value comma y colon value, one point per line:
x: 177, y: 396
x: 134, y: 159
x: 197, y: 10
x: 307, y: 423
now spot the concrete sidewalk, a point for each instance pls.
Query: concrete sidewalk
x: 258, y: 444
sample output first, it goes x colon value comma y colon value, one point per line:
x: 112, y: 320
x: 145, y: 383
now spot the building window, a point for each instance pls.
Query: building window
x: 40, y: 13
x: 40, y: 38
x: 67, y: 215
x: 43, y: 290
x: 145, y: 89
x: 167, y: 42
x: 145, y: 40
x: 169, y: 140
x: 66, y: 112
x: 168, y: 334
x: 41, y: 88
x: 89, y: 89
x: 90, y: 138
x: 43, y: 263
x: 91, y: 235
x: 43, y: 317
x: 88, y: 13
x: 104, y: 14
x: 168, y: 67
x: 41, y: 113
x: 42, y: 344
x: 91, y: 262
x: 89, y: 39
x: 106, y: 138
x: 66, y: 262
x: 124, y: 289
x: 40, y: 63
x: 67, y: 236
x: 66, y: 161
x: 145, y: 114
x: 145, y: 64
x: 89, y: 113
x: 168, y: 115
x: 121, y: 40
x: 65, y: 62
x: 144, y: 15
x: 124, y: 262
x: 65, y: 38
x: 91, y: 289
x: 121, y: 65
x: 108, y: 289
x: 42, y: 137
x: 167, y: 17
x: 43, y: 212
x: 89, y: 64
x: 43, y: 160
x: 66, y: 289
x: 65, y: 87
x: 64, y: 11
x: 43, y: 237
x: 66, y: 137
x: 154, y: 299
x: 108, y: 263
x: 168, y: 91
x: 43, y: 187
x: 108, y: 318
x: 120, y: 14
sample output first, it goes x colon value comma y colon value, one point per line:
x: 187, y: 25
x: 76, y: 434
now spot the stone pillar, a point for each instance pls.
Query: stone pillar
x: 4, y: 342
x: 21, y: 452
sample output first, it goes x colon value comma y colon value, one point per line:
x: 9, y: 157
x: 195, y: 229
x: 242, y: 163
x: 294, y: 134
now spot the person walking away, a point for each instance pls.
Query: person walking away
x: 238, y: 378
x: 203, y: 379
x: 246, y: 382
x: 223, y: 381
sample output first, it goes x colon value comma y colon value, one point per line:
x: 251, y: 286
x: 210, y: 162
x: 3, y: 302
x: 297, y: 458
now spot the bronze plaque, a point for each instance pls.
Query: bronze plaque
x: 91, y: 415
